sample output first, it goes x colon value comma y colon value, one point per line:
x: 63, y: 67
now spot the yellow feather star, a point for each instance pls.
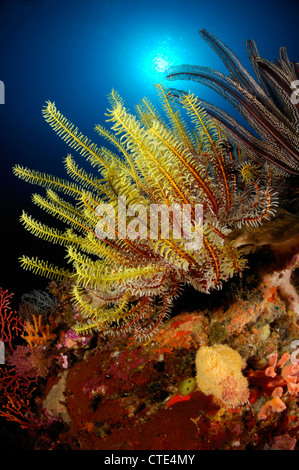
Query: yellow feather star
x: 125, y: 282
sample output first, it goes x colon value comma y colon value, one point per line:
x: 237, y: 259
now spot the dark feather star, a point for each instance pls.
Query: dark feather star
x: 266, y: 104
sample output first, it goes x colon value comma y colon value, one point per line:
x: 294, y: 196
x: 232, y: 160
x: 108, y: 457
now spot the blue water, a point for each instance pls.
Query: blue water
x: 74, y: 52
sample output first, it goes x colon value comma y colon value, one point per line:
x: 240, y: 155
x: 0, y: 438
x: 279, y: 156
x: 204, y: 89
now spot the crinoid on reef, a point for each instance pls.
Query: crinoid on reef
x: 267, y: 105
x: 127, y: 269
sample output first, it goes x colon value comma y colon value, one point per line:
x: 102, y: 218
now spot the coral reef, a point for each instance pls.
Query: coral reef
x: 280, y: 239
x: 206, y: 374
x: 29, y: 362
x: 35, y: 333
x: 119, y: 394
x: 10, y: 323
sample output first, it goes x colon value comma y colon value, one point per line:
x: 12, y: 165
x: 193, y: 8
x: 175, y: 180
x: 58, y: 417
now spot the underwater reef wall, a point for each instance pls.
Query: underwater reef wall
x: 114, y: 356
x: 116, y: 393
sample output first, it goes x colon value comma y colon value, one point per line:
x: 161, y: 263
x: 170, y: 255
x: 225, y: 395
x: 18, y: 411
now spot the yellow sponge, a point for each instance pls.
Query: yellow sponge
x: 219, y: 373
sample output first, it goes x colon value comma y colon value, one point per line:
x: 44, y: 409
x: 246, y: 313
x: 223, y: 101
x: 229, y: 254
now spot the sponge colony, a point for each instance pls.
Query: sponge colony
x: 218, y: 373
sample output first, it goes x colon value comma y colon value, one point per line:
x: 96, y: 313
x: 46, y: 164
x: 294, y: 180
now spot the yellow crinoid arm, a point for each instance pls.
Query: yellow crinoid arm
x: 147, y: 113
x: 87, y: 181
x: 63, y: 212
x: 43, y: 268
x: 49, y: 234
x: 100, y: 313
x: 99, y: 274
x: 187, y: 165
x: 102, y: 131
x: 48, y: 181
x: 179, y: 127
x: 149, y: 154
x: 74, y: 138
x: 210, y: 133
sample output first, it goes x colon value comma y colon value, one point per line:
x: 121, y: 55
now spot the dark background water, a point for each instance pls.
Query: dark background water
x: 74, y: 52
